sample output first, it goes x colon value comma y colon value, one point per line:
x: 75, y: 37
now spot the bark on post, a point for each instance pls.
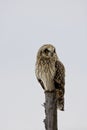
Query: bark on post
x: 50, y: 110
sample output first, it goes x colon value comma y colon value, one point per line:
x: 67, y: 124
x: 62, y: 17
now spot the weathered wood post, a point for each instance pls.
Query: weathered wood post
x: 50, y: 110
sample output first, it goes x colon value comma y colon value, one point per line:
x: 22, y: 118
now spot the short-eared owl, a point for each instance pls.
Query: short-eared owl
x: 50, y: 72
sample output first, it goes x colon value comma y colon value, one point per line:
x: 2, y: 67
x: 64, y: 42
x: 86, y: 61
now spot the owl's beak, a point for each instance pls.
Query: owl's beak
x: 50, y: 54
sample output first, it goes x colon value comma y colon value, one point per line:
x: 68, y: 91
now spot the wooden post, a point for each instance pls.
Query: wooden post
x: 50, y: 111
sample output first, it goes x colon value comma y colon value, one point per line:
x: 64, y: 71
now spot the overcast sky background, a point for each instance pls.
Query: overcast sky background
x: 25, y: 25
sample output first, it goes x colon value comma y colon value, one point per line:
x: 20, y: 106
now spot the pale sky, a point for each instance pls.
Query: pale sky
x: 25, y: 25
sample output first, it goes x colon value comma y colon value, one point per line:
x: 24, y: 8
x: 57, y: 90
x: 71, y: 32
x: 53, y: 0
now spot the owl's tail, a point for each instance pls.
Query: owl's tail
x: 60, y: 100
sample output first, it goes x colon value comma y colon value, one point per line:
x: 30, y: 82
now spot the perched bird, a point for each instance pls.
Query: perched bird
x: 50, y: 72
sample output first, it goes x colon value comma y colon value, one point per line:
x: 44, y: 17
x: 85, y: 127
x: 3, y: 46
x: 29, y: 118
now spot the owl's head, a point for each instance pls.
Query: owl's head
x: 47, y: 51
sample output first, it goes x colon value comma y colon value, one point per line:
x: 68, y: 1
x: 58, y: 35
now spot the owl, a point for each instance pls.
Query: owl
x: 50, y: 72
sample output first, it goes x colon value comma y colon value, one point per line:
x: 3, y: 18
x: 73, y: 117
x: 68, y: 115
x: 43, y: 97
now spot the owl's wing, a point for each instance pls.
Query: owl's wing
x: 59, y: 82
x: 59, y: 79
x: 41, y: 83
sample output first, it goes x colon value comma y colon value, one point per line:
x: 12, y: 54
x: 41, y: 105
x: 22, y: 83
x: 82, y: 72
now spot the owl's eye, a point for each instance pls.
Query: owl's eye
x: 54, y: 50
x: 46, y: 50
